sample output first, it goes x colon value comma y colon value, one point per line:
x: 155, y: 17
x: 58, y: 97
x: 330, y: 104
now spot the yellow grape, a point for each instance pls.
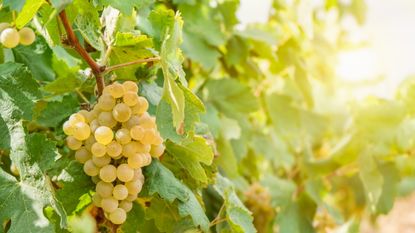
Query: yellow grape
x: 120, y: 192
x: 125, y: 173
x: 27, y: 36
x: 133, y: 121
x: 121, y: 112
x: 148, y: 136
x: 131, y: 197
x: 157, y: 150
x: 115, y: 89
x: 147, y: 121
x: 89, y: 142
x: 109, y: 204
x: 138, y: 173
x: 123, y: 136
x: 90, y: 169
x: 134, y: 186
x: 81, y: 131
x: 106, y: 102
x: 93, y: 125
x: 147, y: 159
x: 93, y: 114
x: 101, y: 161
x: 126, y: 205
x: 106, y: 119
x: 9, y: 37
x: 141, y: 107
x: 4, y: 26
x: 130, y: 148
x: 108, y: 173
x: 95, y: 179
x: 82, y: 155
x: 98, y: 149
x: 68, y: 128
x: 130, y: 86
x: 97, y: 199
x: 75, y: 118
x: 104, y: 189
x: 137, y: 132
x: 73, y: 143
x: 118, y: 216
x: 104, y: 135
x: 130, y: 98
x: 136, y: 160
x: 114, y: 149
x: 85, y: 114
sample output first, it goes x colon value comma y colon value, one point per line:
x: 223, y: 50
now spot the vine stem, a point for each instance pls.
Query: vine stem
x: 138, y: 61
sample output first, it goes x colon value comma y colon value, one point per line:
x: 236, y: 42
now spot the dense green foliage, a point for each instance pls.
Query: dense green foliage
x: 246, y: 113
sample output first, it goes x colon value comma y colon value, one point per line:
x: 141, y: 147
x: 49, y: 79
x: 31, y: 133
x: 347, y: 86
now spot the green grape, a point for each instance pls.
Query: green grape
x: 157, y: 150
x: 118, y: 216
x: 104, y: 189
x: 104, y: 135
x: 134, y: 186
x: 101, y: 161
x: 136, y: 160
x: 141, y: 107
x: 115, y: 89
x: 89, y: 142
x: 97, y: 199
x: 121, y: 112
x: 147, y: 159
x: 132, y: 197
x: 157, y: 139
x: 123, y: 136
x: 148, y: 136
x: 90, y: 169
x: 108, y: 173
x: 137, y: 132
x: 109, y: 204
x: 147, y: 121
x: 130, y: 98
x: 75, y: 118
x: 81, y: 131
x: 133, y: 121
x: 82, y: 155
x: 98, y: 150
x: 138, y: 174
x: 85, y: 114
x: 142, y: 148
x: 130, y: 86
x: 73, y: 143
x: 130, y: 148
x: 106, y: 119
x: 93, y: 114
x: 114, y: 149
x: 68, y: 128
x: 125, y: 173
x: 106, y: 102
x: 120, y: 192
x: 126, y: 205
x: 94, y: 125
x: 27, y: 36
x: 9, y: 37
x: 95, y: 179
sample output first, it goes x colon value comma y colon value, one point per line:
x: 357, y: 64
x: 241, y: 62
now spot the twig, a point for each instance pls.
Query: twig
x: 218, y: 218
x: 139, y: 61
x: 82, y: 95
x: 74, y: 42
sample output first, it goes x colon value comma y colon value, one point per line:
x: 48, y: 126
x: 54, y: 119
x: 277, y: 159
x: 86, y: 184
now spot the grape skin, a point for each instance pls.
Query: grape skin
x: 108, y: 173
x: 118, y: 216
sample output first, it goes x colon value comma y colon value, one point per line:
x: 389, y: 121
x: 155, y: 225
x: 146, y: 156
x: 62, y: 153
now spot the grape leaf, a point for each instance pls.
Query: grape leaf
x: 135, y: 219
x: 28, y: 12
x: 127, y: 7
x: 56, y: 111
x: 16, y: 5
x: 162, y: 181
x: 371, y: 177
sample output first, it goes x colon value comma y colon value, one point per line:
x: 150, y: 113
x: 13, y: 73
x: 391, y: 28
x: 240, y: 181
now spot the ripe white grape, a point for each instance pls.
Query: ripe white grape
x: 101, y: 161
x: 141, y: 107
x: 121, y: 112
x: 89, y: 142
x: 130, y: 86
x: 90, y: 169
x: 104, y: 189
x: 148, y: 136
x: 104, y: 135
x: 130, y: 98
x: 157, y: 150
x: 9, y: 37
x: 133, y: 121
x: 75, y: 118
x: 123, y: 136
x: 131, y: 197
x: 157, y: 139
x: 81, y: 131
x: 137, y: 132
x: 118, y: 216
x: 147, y: 159
x: 85, y: 114
x: 130, y: 148
x: 136, y: 161
x: 134, y: 187
x: 138, y: 173
x: 115, y: 89
x: 125, y: 173
x: 73, y: 143
x: 108, y: 173
x: 98, y: 149
x: 106, y: 119
x: 97, y: 199
x: 126, y: 205
x: 147, y: 121
x: 114, y: 149
x: 4, y: 26
x: 95, y: 179
x: 120, y: 192
x: 92, y: 115
x: 93, y: 125
x: 27, y: 36
x: 68, y: 128
x: 82, y: 155
x: 106, y: 102
x: 109, y: 204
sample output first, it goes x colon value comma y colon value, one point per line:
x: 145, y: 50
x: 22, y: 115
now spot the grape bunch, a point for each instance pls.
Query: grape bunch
x: 10, y: 37
x: 258, y: 201
x: 114, y: 141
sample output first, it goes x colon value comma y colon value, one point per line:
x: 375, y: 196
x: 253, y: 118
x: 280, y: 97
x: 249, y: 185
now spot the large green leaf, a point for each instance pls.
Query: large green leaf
x: 28, y: 12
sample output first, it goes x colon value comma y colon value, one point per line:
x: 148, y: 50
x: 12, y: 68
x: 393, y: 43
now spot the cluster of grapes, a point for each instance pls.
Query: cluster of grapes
x: 258, y: 201
x: 10, y: 37
x: 114, y: 141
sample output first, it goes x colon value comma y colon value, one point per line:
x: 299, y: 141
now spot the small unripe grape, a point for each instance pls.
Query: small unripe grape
x: 89, y: 142
x: 121, y: 112
x: 148, y: 136
x: 133, y: 121
x: 67, y: 128
x: 123, y: 136
x: 27, y: 36
x: 141, y: 107
x: 115, y: 89
x: 75, y: 118
x: 101, y: 161
x: 94, y: 125
x: 73, y: 143
x: 14, y: 170
x: 104, y: 135
x: 82, y: 155
x: 97, y: 199
x: 98, y: 149
x: 81, y: 131
x: 104, y: 189
x: 134, y: 187
x: 126, y: 205
x: 106, y: 119
x: 120, y: 192
x: 130, y: 86
x: 132, y: 197
x: 137, y: 132
x: 136, y: 160
x: 130, y: 148
x: 118, y: 216
x: 90, y: 169
x: 9, y: 37
x: 106, y: 102
x: 125, y: 173
x: 114, y: 149
x: 109, y: 204
x: 157, y: 150
x: 4, y: 26
x: 108, y: 173
x: 130, y: 98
